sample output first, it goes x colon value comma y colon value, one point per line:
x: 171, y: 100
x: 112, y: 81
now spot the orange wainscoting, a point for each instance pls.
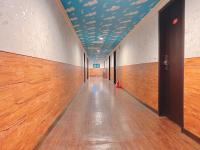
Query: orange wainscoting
x: 105, y: 73
x: 33, y: 92
x: 112, y: 73
x: 96, y: 72
x: 192, y: 95
x: 141, y: 81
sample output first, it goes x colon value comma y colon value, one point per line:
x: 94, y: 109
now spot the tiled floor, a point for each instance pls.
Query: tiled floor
x: 102, y: 117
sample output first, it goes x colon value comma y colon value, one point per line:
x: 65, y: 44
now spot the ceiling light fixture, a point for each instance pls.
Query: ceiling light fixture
x: 100, y: 38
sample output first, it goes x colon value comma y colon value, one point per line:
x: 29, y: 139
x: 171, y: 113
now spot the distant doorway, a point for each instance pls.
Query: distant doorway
x: 87, y: 68
x: 84, y: 68
x: 115, y: 71
x: 171, y: 61
x: 109, y: 67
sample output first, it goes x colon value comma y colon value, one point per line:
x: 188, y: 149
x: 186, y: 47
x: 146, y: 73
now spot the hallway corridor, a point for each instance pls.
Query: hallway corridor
x: 102, y: 117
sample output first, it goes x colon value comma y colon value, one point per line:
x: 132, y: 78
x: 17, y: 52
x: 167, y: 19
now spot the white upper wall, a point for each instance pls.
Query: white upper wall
x: 37, y: 28
x: 192, y: 29
x: 112, y: 60
x: 106, y: 62
x: 141, y: 44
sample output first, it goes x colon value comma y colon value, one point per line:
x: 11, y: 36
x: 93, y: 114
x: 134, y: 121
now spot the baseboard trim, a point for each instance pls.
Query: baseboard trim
x: 185, y: 131
x: 191, y: 135
x: 43, y: 137
x: 141, y: 102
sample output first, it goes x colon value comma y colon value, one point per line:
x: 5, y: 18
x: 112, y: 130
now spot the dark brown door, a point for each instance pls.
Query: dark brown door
x: 84, y: 68
x: 115, y: 71
x: 171, y: 23
x: 109, y: 67
x: 87, y: 68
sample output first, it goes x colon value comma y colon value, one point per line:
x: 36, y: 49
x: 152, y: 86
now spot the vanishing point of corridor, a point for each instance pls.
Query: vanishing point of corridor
x: 102, y: 117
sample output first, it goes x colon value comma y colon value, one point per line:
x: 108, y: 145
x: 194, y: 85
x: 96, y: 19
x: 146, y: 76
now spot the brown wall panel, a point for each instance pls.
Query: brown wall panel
x: 141, y: 80
x: 112, y: 74
x: 33, y: 92
x: 105, y: 73
x: 192, y: 95
x: 96, y: 72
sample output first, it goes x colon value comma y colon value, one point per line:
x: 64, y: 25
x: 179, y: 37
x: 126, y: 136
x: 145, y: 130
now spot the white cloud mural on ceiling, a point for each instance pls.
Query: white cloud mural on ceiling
x: 102, y: 24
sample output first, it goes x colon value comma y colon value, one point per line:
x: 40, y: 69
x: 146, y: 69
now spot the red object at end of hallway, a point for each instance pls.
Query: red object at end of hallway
x: 118, y: 85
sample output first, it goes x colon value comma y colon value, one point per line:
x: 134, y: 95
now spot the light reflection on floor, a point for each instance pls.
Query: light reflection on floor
x: 102, y: 117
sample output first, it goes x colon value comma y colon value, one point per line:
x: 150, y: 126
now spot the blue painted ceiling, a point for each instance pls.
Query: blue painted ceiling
x: 102, y: 24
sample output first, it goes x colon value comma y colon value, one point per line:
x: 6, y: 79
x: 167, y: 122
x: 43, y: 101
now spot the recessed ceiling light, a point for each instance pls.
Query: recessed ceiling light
x: 100, y: 38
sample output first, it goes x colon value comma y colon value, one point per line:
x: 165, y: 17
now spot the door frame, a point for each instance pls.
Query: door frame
x: 87, y: 68
x: 84, y: 68
x: 160, y: 94
x: 109, y: 67
x: 115, y: 71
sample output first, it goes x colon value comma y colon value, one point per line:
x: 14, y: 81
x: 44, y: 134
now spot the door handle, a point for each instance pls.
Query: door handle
x: 166, y: 62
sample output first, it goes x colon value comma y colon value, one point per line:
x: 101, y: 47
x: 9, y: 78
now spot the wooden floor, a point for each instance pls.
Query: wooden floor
x: 104, y: 118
